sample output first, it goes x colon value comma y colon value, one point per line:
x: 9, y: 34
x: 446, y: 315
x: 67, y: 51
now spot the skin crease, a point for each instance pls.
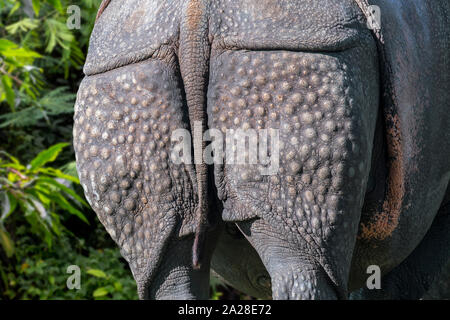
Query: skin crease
x: 237, y: 263
x: 364, y: 154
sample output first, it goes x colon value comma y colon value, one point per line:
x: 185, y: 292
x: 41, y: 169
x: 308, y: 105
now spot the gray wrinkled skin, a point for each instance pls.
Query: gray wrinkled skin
x: 364, y: 144
x: 237, y: 263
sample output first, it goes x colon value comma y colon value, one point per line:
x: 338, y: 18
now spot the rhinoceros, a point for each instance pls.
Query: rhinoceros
x: 357, y: 94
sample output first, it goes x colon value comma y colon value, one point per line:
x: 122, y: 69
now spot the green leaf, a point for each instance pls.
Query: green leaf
x: 7, y: 182
x: 22, y: 25
x: 100, y: 292
x: 23, y: 118
x: 14, y: 52
x: 39, y: 227
x: 56, y: 32
x: 58, y: 173
x: 70, y: 168
x: 97, y: 273
x: 9, y: 91
x: 56, y: 225
x: 16, y: 166
x: 58, y: 101
x: 40, y: 208
x: 46, y: 156
x: 8, y: 204
x: 5, y: 204
x: 15, y: 8
x: 6, y: 241
x: 36, y: 6
x: 13, y: 159
x: 118, y: 286
x: 57, y: 5
x: 67, y: 190
x: 64, y: 204
x: 5, y: 45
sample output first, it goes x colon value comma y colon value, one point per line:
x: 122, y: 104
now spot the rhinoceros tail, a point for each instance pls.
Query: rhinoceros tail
x: 194, y: 55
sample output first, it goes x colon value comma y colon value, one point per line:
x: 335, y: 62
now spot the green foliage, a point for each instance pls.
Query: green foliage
x: 215, y: 283
x: 43, y: 213
x: 52, y: 103
x: 42, y: 273
x: 37, y: 193
x: 41, y: 61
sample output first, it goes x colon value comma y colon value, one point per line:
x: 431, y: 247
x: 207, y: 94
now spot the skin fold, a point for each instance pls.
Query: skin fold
x: 237, y: 263
x: 364, y: 145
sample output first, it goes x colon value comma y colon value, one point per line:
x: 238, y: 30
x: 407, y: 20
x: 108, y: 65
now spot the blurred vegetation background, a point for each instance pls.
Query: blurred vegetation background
x: 45, y: 223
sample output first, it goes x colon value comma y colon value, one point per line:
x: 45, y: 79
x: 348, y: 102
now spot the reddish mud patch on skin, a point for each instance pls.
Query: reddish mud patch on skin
x: 102, y: 8
x: 383, y: 223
